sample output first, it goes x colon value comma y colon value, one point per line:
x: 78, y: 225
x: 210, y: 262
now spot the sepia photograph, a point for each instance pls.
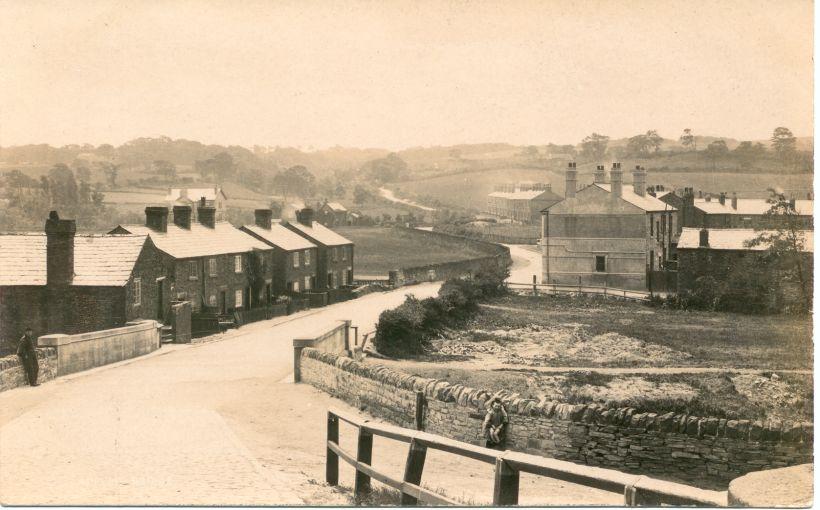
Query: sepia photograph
x: 355, y: 253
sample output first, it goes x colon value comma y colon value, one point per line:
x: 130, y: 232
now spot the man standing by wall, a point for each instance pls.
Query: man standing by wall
x: 28, y: 356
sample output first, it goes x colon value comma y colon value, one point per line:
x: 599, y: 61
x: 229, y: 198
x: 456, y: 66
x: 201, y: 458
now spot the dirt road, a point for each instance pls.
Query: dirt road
x: 526, y: 262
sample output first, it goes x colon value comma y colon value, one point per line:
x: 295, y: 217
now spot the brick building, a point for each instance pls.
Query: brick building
x: 724, y: 211
x: 522, y: 202
x: 210, y: 263
x: 607, y: 234
x: 716, y: 252
x: 61, y: 282
x: 295, y: 259
x: 332, y: 214
x: 334, y: 266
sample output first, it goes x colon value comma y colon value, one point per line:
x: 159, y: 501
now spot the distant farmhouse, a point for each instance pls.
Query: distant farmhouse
x: 521, y: 202
x: 60, y: 282
x: 608, y: 234
x: 332, y: 214
x: 208, y: 196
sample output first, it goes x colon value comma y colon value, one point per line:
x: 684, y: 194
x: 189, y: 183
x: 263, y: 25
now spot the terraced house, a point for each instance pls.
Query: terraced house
x: 210, y: 263
x: 295, y: 259
x: 60, y: 282
x: 334, y: 264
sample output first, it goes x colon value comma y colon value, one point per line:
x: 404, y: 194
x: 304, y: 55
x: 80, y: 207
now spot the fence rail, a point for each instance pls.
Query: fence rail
x: 556, y: 289
x: 637, y: 490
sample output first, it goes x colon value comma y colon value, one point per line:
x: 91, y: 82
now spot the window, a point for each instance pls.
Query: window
x: 600, y: 263
x: 335, y: 254
x: 344, y: 278
x: 307, y: 257
x: 137, y: 291
x: 192, y: 270
x: 212, y: 300
x: 307, y: 282
x: 211, y: 267
x: 296, y: 286
x: 238, y: 298
x: 296, y: 259
x: 651, y: 226
x: 237, y: 263
x: 344, y: 252
x: 658, y: 229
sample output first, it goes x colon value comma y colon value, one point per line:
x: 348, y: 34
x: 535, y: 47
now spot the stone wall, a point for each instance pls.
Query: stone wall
x: 12, y: 374
x: 707, y: 452
x: 335, y: 340
x: 80, y: 352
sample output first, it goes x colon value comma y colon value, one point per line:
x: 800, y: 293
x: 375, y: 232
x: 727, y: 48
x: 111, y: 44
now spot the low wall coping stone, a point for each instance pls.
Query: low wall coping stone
x: 58, y: 339
x: 784, y: 487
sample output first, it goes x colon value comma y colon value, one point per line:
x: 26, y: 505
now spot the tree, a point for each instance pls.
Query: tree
x: 715, y: 150
x: 783, y: 143
x: 747, y: 153
x: 361, y: 194
x: 390, y: 168
x: 83, y: 174
x: 687, y: 139
x: 276, y: 209
x: 296, y: 180
x: 785, y: 246
x: 164, y: 168
x: 530, y: 151
x: 110, y: 170
x: 654, y: 139
x: 593, y: 147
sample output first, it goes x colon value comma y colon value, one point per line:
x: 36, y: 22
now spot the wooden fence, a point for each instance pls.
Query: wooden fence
x: 556, y: 289
x: 637, y: 490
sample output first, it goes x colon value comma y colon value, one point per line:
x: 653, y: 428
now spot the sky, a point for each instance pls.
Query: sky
x: 395, y: 74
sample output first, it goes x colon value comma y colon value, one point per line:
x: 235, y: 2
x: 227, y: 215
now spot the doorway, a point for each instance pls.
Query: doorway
x: 223, y: 302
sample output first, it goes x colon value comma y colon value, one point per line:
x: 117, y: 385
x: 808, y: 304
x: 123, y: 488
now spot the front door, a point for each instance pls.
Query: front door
x: 160, y: 304
x: 222, y: 302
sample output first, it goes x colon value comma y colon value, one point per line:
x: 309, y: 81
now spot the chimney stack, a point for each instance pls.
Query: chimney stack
x: 156, y: 218
x: 572, y: 180
x: 616, y: 179
x: 59, y: 250
x: 708, y: 197
x: 722, y: 198
x: 703, y: 242
x: 734, y: 201
x: 182, y: 216
x: 700, y: 193
x: 207, y: 216
x: 305, y: 216
x: 600, y: 174
x: 792, y: 204
x: 263, y: 218
x: 639, y: 181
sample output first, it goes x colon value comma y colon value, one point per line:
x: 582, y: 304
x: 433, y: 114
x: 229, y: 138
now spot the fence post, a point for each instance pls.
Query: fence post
x: 364, y: 454
x: 420, y: 403
x: 413, y: 470
x: 505, y: 491
x: 534, y: 288
x: 332, y: 466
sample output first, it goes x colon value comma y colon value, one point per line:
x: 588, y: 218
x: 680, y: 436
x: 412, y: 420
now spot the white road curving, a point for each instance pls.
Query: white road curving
x: 389, y: 195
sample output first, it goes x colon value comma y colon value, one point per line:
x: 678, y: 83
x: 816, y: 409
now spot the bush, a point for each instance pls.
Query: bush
x: 407, y: 329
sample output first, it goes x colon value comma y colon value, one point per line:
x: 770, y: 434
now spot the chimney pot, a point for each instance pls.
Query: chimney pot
x: 734, y: 201
x: 616, y: 180
x: 703, y: 241
x: 572, y: 181
x: 182, y: 216
x: 207, y: 215
x: 156, y: 218
x: 722, y: 198
x: 59, y: 250
x: 263, y: 218
x: 305, y: 216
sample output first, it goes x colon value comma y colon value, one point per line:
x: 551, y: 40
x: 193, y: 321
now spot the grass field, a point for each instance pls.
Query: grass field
x: 473, y: 187
x: 379, y: 250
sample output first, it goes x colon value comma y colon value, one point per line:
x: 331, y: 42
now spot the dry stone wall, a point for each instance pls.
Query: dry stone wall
x: 708, y: 452
x: 13, y: 375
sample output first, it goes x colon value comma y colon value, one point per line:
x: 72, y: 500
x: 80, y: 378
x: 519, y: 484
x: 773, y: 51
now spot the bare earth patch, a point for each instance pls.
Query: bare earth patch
x: 570, y: 343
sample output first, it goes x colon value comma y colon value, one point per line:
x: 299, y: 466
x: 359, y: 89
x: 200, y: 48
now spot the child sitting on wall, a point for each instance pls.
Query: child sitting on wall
x: 495, y: 424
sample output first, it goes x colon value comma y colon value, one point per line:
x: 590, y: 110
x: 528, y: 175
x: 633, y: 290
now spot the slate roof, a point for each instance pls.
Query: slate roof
x: 99, y: 260
x: 194, y: 194
x: 281, y: 237
x: 749, y: 206
x: 336, y: 206
x: 200, y: 241
x: 732, y: 239
x: 522, y: 195
x: 322, y: 234
x: 646, y: 202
